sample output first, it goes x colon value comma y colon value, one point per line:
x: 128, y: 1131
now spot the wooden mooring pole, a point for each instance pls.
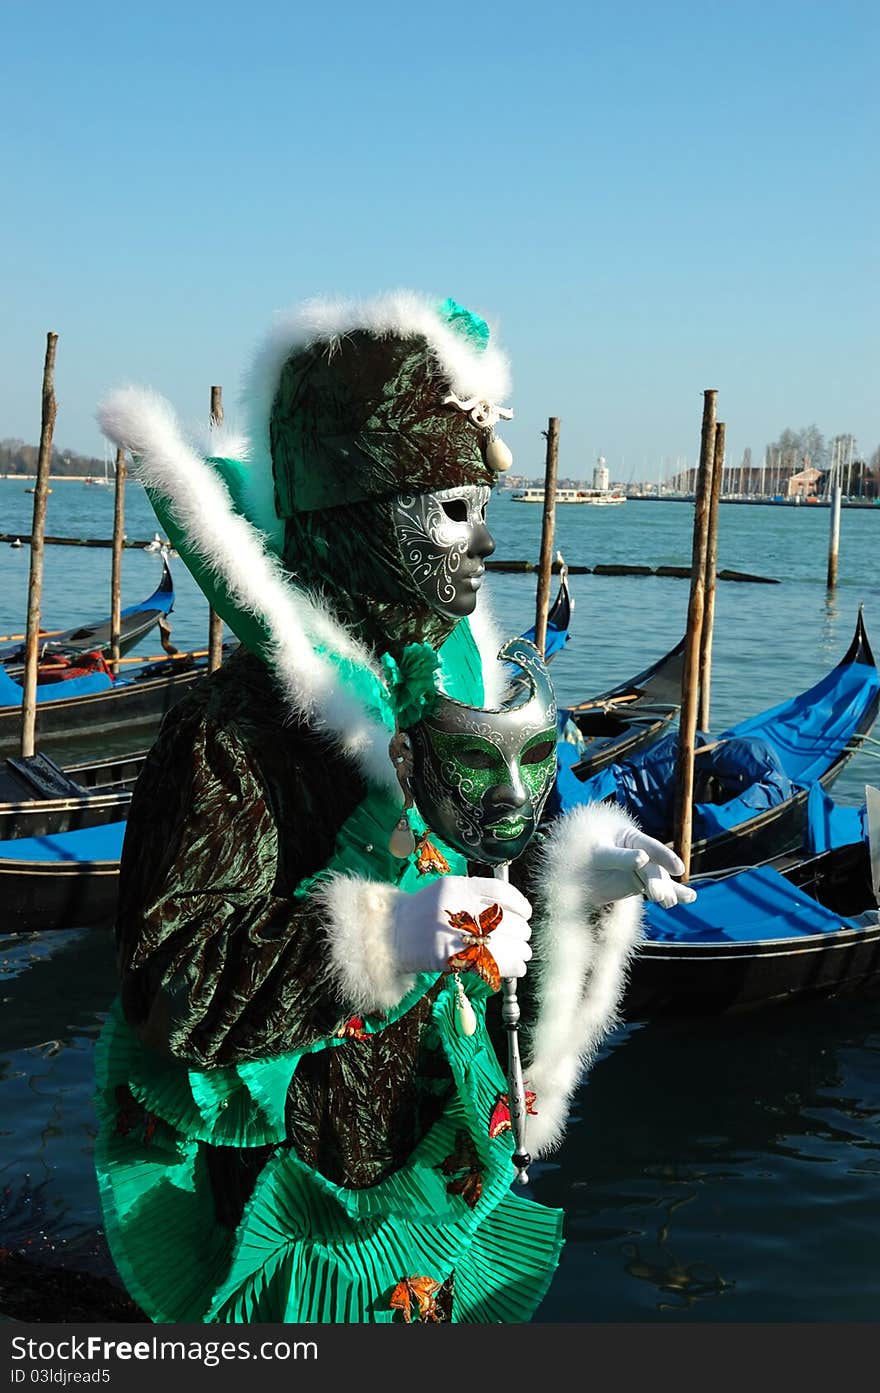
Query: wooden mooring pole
x: 834, y: 537
x: 116, y: 561
x: 35, y: 580
x: 687, y: 727
x: 548, y: 525
x: 710, y: 580
x: 215, y: 623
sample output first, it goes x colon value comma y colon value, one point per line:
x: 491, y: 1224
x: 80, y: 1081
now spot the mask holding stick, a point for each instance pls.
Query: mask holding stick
x: 480, y: 779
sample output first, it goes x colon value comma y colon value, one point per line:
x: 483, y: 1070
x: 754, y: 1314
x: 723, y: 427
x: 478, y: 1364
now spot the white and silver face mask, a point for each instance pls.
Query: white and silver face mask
x: 444, y: 541
x: 481, y: 777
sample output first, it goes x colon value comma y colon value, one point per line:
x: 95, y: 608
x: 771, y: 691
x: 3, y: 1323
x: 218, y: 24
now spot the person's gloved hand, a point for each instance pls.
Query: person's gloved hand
x: 424, y: 940
x: 638, y: 865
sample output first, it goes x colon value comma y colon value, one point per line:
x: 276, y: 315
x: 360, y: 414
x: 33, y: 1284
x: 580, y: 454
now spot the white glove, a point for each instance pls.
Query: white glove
x: 423, y: 940
x: 638, y: 865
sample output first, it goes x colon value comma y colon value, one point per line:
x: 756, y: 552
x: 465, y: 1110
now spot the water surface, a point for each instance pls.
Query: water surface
x: 714, y: 1170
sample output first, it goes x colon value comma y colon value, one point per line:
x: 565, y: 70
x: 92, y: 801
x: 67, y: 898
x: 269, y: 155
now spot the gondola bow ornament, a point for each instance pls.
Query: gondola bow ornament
x: 480, y: 778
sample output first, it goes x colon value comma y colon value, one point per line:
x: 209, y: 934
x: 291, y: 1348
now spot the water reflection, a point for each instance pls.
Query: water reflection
x: 829, y: 633
x: 705, y: 1163
x: 687, y: 1283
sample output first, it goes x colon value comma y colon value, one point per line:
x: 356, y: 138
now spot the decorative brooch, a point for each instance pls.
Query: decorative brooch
x: 484, y: 415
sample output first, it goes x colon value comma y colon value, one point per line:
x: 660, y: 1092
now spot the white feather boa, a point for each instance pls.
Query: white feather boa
x: 581, y: 952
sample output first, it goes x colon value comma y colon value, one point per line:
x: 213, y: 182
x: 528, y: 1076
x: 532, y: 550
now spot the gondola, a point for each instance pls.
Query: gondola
x: 753, y: 782
x: 764, y: 936
x: 623, y: 720
x: 69, y: 880
x: 135, y: 623
x: 558, y: 618
x: 38, y: 798
x: 135, y: 704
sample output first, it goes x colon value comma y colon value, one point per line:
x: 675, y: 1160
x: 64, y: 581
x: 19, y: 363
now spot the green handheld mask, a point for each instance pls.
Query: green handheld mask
x: 481, y: 777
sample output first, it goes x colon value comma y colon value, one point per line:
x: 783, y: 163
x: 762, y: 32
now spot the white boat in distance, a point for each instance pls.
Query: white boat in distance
x: 600, y: 495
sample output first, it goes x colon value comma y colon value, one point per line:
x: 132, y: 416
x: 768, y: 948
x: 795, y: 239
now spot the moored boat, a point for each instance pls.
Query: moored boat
x: 133, y: 705
x: 66, y: 645
x: 68, y: 880
x: 623, y: 720
x: 752, y: 783
x: 763, y: 936
x: 39, y: 798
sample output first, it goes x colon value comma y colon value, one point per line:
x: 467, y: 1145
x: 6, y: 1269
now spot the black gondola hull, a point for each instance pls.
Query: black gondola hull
x: 712, y: 979
x: 710, y: 974
x: 85, y: 720
x: 39, y: 895
x: 628, y: 718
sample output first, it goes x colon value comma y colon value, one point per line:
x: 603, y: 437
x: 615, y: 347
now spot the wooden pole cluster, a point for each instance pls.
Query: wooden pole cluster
x: 35, y: 580
x: 116, y: 561
x: 684, y: 773
x: 834, y: 537
x: 215, y: 623
x: 548, y: 524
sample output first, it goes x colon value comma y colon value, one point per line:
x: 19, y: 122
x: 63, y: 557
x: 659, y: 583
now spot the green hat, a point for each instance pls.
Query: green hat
x: 354, y: 401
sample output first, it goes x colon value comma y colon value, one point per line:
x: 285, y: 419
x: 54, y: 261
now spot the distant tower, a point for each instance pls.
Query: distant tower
x: 600, y: 475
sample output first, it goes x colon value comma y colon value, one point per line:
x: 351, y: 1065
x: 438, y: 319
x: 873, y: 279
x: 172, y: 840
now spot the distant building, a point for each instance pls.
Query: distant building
x: 804, y: 484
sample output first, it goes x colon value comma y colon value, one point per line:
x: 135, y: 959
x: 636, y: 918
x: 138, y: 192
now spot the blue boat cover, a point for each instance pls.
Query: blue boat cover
x: 567, y: 789
x: 556, y: 639
x: 756, y: 765
x: 11, y: 692
x: 830, y: 824
x: 812, y: 728
x: 102, y: 843
x: 751, y: 907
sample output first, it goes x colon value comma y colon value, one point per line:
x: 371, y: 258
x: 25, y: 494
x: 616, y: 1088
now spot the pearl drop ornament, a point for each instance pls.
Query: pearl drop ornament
x: 466, y: 1017
x: 498, y: 455
x: 402, y: 843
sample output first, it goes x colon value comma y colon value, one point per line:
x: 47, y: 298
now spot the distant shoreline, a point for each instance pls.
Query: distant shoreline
x: 73, y: 478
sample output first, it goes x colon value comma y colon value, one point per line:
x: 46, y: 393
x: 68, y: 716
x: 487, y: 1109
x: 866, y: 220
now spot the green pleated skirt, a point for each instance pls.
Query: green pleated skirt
x: 305, y: 1248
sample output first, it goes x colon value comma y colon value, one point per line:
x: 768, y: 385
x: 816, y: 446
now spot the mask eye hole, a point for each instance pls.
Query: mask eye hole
x: 538, y: 753
x: 456, y: 509
x: 477, y: 759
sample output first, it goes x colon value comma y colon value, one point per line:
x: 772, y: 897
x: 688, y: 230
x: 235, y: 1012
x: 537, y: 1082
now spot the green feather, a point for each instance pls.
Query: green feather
x: 466, y: 323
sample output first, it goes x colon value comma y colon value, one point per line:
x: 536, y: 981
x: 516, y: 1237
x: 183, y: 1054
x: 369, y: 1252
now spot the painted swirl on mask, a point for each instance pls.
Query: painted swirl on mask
x: 434, y: 545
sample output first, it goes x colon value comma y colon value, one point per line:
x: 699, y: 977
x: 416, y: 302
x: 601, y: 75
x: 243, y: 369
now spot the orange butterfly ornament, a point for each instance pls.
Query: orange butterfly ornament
x: 429, y: 858
x: 416, y: 1293
x: 475, y: 956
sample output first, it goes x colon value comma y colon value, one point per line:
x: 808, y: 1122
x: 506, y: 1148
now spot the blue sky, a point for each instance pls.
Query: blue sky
x: 649, y: 200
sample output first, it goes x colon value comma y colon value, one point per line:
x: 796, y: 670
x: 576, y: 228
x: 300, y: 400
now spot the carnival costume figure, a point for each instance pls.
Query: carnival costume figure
x: 302, y: 1116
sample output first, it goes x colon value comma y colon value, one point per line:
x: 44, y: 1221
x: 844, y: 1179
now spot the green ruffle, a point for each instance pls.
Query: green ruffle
x: 306, y: 1248
x: 410, y: 682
